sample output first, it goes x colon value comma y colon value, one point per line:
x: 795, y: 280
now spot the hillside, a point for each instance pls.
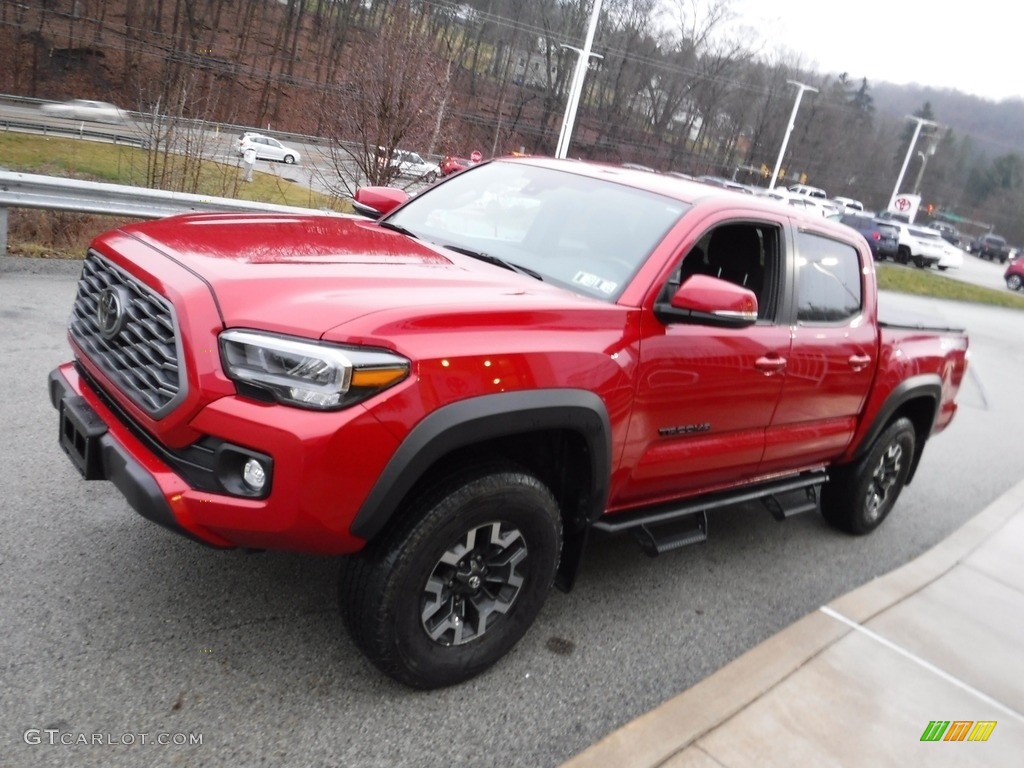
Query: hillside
x: 494, y: 75
x: 996, y: 128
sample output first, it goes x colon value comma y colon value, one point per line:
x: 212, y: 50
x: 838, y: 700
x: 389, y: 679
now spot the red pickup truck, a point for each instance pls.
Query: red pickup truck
x: 456, y: 395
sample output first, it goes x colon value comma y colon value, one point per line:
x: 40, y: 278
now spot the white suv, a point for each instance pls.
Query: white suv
x: 267, y: 148
x: 922, y: 245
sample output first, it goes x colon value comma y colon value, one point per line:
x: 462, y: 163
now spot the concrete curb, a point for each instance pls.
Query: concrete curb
x: 662, y: 735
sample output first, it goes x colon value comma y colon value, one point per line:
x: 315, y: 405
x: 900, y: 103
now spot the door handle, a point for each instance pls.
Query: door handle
x: 770, y: 364
x: 860, y: 362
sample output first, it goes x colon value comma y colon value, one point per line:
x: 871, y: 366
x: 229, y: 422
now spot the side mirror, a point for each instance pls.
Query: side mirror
x: 705, y: 300
x: 374, y: 202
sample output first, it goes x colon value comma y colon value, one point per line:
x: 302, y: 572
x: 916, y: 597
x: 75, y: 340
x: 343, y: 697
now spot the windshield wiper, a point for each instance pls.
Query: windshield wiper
x: 496, y: 260
x: 397, y: 228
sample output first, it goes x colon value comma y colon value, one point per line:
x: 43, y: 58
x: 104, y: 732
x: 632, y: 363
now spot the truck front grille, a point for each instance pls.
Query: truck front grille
x: 131, y: 334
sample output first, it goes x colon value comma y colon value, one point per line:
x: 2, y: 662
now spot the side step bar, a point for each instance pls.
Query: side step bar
x: 665, y: 528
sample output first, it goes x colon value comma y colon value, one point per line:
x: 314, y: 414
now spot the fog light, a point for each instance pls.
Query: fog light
x: 254, y: 475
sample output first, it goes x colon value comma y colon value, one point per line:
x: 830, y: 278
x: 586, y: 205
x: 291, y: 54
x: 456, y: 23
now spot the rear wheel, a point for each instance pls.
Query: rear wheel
x: 454, y: 588
x: 903, y: 254
x: 1014, y: 282
x: 859, y: 497
x: 919, y: 262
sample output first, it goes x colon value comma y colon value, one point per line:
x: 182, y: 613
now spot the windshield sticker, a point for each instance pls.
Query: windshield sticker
x: 595, y: 283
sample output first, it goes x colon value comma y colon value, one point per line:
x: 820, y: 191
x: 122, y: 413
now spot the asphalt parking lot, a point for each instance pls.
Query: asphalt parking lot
x: 112, y: 629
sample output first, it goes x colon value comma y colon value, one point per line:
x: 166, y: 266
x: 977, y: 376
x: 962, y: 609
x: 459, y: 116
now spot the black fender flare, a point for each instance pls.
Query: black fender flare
x: 478, y: 419
x: 923, y: 386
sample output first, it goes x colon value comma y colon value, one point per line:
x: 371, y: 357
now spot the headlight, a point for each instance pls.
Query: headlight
x: 308, y: 374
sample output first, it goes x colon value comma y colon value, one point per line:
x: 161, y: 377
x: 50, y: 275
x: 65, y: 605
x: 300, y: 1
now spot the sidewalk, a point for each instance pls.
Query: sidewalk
x: 859, y: 681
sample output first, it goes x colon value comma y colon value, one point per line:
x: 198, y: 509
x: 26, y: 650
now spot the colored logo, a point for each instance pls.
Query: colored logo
x: 958, y: 730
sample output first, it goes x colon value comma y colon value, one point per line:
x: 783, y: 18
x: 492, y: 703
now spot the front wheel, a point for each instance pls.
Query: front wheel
x: 451, y: 590
x: 430, y: 178
x: 289, y: 159
x: 1014, y: 282
x: 919, y: 262
x: 859, y: 497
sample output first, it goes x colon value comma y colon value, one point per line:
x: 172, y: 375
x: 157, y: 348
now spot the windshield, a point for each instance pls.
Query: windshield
x: 588, y: 235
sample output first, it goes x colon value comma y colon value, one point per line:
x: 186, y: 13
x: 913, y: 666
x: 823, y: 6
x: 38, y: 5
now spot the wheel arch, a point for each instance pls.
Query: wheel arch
x: 917, y: 399
x: 563, y: 436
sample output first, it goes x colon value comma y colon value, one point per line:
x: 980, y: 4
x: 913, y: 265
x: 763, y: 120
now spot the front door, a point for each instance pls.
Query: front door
x: 706, y: 395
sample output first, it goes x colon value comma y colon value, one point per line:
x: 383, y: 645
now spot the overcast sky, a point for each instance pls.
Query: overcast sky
x: 976, y: 47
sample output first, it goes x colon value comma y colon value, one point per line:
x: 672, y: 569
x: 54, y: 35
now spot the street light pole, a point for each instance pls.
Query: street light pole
x: 910, y: 151
x: 583, y: 59
x: 789, y: 128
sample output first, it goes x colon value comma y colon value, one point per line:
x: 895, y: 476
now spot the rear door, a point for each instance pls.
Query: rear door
x: 832, y: 359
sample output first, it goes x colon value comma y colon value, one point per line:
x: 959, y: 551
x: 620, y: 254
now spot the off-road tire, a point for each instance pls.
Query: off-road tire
x: 857, y: 498
x: 407, y: 583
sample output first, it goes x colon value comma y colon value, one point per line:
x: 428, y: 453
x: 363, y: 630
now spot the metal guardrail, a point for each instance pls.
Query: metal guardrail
x: 70, y: 131
x: 26, y: 190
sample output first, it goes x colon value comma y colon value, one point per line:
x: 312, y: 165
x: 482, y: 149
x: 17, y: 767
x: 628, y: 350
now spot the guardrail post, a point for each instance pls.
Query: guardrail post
x: 3, y: 230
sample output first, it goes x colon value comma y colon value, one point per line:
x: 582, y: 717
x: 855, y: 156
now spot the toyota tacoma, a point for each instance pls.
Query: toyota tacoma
x: 455, y: 395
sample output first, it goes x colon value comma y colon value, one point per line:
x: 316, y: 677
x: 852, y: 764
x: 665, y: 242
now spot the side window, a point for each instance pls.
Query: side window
x: 746, y: 254
x: 828, y: 279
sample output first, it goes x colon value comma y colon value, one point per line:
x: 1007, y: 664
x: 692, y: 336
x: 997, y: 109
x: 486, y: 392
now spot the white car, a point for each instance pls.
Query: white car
x: 805, y: 189
x: 268, y: 148
x: 86, y: 109
x: 412, y: 165
x: 815, y: 204
x: 922, y: 245
x: 952, y: 257
x: 848, y: 204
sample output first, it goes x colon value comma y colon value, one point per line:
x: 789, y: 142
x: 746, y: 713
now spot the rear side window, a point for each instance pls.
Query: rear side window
x: 828, y: 279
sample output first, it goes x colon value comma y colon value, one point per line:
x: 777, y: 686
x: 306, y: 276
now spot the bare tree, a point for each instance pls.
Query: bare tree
x: 390, y: 101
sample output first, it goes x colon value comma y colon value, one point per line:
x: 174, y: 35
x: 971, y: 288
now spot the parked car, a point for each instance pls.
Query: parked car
x: 949, y: 233
x: 782, y: 195
x: 921, y: 245
x: 991, y: 247
x: 1014, y: 275
x: 804, y: 189
x: 952, y: 257
x: 267, y: 148
x: 452, y: 164
x: 883, y: 238
x: 848, y: 204
x: 86, y: 109
x: 411, y: 164
x: 724, y: 183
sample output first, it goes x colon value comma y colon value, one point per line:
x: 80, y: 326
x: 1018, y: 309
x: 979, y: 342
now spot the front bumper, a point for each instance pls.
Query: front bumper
x: 86, y: 438
x: 318, y: 480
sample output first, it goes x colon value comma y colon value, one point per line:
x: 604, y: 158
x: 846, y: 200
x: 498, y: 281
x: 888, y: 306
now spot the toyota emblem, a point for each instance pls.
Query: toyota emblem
x: 110, y: 313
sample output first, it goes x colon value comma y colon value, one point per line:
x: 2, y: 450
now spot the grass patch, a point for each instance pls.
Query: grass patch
x: 924, y: 282
x: 121, y: 164
x: 62, y: 234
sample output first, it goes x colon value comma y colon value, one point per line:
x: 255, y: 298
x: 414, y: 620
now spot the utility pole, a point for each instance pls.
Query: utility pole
x: 789, y: 128
x: 583, y: 60
x: 910, y: 151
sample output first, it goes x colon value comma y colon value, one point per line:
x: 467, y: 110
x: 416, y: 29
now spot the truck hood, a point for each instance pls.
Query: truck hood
x: 307, y: 275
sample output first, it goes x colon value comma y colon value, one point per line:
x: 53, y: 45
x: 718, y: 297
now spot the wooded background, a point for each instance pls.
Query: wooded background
x: 673, y: 90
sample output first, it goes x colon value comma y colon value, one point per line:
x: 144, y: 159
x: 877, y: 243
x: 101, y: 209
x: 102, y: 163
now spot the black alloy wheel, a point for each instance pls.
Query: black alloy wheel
x: 857, y: 498
x: 458, y: 580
